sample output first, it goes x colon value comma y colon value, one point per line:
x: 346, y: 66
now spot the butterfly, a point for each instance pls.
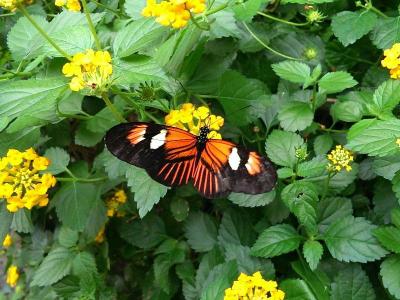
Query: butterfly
x: 174, y: 157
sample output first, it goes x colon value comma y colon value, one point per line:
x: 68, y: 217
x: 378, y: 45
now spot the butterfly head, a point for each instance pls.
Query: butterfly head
x: 204, y: 131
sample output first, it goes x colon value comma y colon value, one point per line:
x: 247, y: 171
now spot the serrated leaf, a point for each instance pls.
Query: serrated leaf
x: 395, y: 217
x: 387, y: 166
x: 276, y: 240
x: 296, y: 289
x: 385, y: 99
x: 349, y: 111
x: 312, y: 168
x: 295, y: 116
x: 281, y: 147
x: 322, y: 144
x: 301, y: 198
x: 59, y: 160
x: 376, y: 138
x: 22, y: 221
x: 351, y: 239
x: 386, y: 33
x: 350, y: 26
x: 246, y: 200
x: 84, y: 264
x: 293, y: 71
x: 391, y: 275
x: 335, y: 82
x: 389, y: 237
x: 201, y: 232
x: 67, y: 237
x: 312, y: 251
x: 147, y: 191
x: 236, y: 229
x: 352, y: 283
x: 331, y: 209
x: 56, y: 265
x: 245, y: 11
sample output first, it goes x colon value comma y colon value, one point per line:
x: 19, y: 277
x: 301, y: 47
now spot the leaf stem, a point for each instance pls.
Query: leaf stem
x: 17, y: 74
x: 266, y: 46
x: 73, y: 179
x: 369, y: 6
x: 91, y: 25
x: 111, y: 106
x: 282, y: 20
x: 215, y: 10
x: 42, y: 32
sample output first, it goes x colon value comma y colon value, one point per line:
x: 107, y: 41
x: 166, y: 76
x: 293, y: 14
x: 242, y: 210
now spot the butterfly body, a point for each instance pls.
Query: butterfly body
x: 175, y: 157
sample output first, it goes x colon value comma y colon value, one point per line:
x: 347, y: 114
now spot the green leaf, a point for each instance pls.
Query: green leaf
x: 331, y: 209
x: 281, y: 147
x: 301, y: 198
x: 389, y: 237
x: 145, y: 233
x: 335, y: 82
x: 56, y: 265
x: 5, y: 221
x: 296, y: 289
x: 84, y: 264
x: 395, y: 217
x: 387, y: 166
x: 396, y: 184
x: 201, y: 232
x: 147, y: 191
x: 352, y: 283
x: 237, y: 94
x: 386, y: 98
x: 59, y: 160
x: 284, y: 173
x: 33, y: 97
x: 134, y: 9
x: 236, y: 229
x: 293, y: 71
x: 137, y: 36
x: 322, y: 144
x: 349, y: 111
x: 378, y: 139
x: 312, y: 251
x: 67, y: 237
x: 350, y: 26
x: 179, y: 209
x: 391, y: 275
x: 245, y: 11
x: 386, y: 33
x: 312, y: 168
x: 115, y: 167
x: 295, y: 116
x: 276, y: 240
x: 74, y: 202
x: 223, y: 24
x: 351, y: 239
x: 22, y: 221
x: 246, y: 200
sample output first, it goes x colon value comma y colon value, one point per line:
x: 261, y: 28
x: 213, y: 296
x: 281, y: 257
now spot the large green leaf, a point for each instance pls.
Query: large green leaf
x: 351, y: 239
x: 386, y: 33
x: 352, y: 283
x: 56, y: 265
x: 137, y: 36
x: 201, y: 232
x: 295, y: 116
x: 389, y: 237
x: 147, y: 191
x: 377, y: 138
x: 281, y: 147
x: 350, y: 26
x: 276, y: 240
x: 385, y: 99
x: 391, y: 275
x: 336, y: 82
x: 296, y: 289
x: 312, y: 251
x: 331, y: 209
x: 293, y: 71
x: 247, y: 200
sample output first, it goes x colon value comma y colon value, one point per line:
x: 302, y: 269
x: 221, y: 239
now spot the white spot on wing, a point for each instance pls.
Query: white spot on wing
x: 158, y: 140
x: 249, y: 164
x: 141, y: 134
x: 234, y: 159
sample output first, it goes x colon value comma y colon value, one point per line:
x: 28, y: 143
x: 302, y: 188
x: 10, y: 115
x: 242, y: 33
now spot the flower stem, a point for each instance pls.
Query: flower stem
x: 282, y: 20
x: 91, y: 25
x: 215, y: 10
x: 42, y: 32
x: 266, y: 46
x: 69, y: 179
x: 111, y: 106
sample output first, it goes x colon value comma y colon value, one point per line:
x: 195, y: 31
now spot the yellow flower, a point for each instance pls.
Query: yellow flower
x: 7, y: 241
x: 191, y: 119
x: 21, y: 184
x: 392, y: 60
x: 71, y: 5
x: 114, y: 202
x: 12, y: 276
x: 12, y: 4
x: 397, y: 142
x: 91, y: 70
x: 340, y: 158
x: 174, y: 13
x: 100, y: 235
x: 253, y: 287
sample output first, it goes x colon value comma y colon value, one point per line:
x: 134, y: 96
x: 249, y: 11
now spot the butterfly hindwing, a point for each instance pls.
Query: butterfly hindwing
x: 166, y: 153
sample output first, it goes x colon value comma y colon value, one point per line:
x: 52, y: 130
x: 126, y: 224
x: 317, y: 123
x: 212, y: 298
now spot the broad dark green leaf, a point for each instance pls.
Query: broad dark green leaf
x: 336, y: 82
x: 390, y: 274
x: 296, y: 289
x: 389, y: 237
x: 385, y: 99
x: 201, y: 232
x: 246, y: 200
x: 386, y: 33
x: 293, y: 71
x: 295, y: 116
x: 312, y: 251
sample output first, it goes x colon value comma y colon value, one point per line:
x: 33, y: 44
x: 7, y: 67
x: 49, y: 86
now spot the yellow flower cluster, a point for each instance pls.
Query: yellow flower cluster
x: 12, y: 4
x: 12, y: 276
x: 190, y: 118
x: 100, y: 235
x: 72, y: 5
x: 340, y: 158
x: 114, y: 202
x: 7, y: 241
x: 392, y: 60
x: 91, y: 70
x: 175, y: 13
x: 254, y: 288
x: 21, y: 184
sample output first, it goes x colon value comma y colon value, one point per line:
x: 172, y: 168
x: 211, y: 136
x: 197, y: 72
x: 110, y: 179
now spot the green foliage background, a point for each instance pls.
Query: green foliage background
x: 320, y: 239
